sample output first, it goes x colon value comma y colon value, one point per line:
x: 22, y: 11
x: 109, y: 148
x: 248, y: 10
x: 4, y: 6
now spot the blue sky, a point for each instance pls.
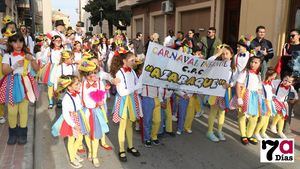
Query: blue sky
x: 68, y: 7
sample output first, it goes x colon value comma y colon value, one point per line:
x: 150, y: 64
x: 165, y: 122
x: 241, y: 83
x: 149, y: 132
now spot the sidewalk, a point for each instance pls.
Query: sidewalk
x: 16, y: 156
x: 50, y: 152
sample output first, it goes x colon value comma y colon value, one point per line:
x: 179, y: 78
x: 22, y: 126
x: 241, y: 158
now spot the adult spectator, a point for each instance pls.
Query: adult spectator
x: 28, y: 40
x: 290, y: 53
x: 170, y: 39
x: 179, y: 40
x: 79, y: 31
x: 263, y: 47
x: 59, y: 30
x: 138, y: 46
x: 192, y: 41
x: 210, y: 43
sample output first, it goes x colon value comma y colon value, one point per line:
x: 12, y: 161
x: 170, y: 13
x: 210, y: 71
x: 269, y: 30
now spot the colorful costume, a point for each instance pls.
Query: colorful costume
x: 127, y: 107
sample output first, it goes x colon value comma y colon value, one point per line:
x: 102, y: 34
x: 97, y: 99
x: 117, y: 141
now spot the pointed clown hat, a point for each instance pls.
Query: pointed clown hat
x: 87, y: 66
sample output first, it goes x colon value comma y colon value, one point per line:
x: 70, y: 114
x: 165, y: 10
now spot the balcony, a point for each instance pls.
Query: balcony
x: 127, y: 4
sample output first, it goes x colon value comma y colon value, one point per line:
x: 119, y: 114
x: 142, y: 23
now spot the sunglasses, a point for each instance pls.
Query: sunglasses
x: 190, y: 33
x: 292, y: 35
x: 209, y: 32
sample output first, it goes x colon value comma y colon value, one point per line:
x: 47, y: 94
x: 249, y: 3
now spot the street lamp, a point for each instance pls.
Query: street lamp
x: 101, y: 18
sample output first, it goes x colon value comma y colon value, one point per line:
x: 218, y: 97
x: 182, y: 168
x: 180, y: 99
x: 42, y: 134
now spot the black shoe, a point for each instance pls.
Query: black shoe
x: 58, y: 104
x: 122, y: 158
x: 148, y: 143
x: 156, y: 142
x: 134, y: 152
x: 22, y: 136
x: 172, y: 134
x: 12, y: 136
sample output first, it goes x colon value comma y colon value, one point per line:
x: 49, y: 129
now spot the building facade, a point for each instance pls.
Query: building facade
x: 9, y: 8
x: 231, y: 18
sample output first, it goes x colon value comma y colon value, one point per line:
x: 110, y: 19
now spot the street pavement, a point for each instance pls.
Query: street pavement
x: 187, y: 151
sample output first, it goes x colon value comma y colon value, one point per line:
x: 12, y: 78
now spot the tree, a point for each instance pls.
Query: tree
x: 109, y: 13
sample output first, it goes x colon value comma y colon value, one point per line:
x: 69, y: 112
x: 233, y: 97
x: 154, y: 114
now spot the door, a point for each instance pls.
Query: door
x: 231, y: 22
x: 294, y: 21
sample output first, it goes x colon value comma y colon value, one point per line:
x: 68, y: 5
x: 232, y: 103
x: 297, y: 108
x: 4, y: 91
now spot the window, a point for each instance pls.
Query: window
x: 297, y: 19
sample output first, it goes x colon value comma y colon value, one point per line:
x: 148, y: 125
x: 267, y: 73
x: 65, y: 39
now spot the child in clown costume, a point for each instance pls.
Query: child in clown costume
x: 127, y: 108
x: 219, y: 105
x: 283, y: 90
x: 6, y: 32
x: 92, y: 92
x: 72, y: 123
x: 65, y: 67
x: 18, y: 87
x: 268, y: 105
x: 249, y: 100
x: 103, y: 77
x: 50, y: 62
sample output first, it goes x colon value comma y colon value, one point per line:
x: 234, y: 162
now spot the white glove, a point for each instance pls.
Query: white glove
x: 240, y: 101
x: 16, y: 65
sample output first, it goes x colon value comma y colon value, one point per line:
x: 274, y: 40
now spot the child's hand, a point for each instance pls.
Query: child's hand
x: 240, y: 102
x: 18, y: 64
x: 226, y: 85
x: 292, y: 101
x: 3, y: 41
x: 186, y: 97
x: 163, y: 105
x: 116, y: 81
x: 29, y: 57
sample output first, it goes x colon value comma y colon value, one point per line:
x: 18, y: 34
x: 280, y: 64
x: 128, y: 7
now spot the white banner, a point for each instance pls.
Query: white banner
x: 169, y: 68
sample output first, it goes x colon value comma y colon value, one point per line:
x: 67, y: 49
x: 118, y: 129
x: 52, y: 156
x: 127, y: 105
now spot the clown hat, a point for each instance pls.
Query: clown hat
x: 59, y: 23
x: 7, y: 19
x: 80, y: 24
x: 245, y: 41
x: 63, y: 83
x: 87, y: 55
x: 96, y: 42
x: 8, y: 33
x: 66, y: 54
x: 87, y: 66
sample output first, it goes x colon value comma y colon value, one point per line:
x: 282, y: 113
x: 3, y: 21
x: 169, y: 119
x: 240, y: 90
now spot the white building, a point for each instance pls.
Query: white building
x: 11, y: 10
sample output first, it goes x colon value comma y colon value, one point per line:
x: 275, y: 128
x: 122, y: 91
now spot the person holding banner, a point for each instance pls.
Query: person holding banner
x: 183, y: 103
x: 248, y: 89
x: 151, y: 102
x: 219, y: 105
x: 127, y: 104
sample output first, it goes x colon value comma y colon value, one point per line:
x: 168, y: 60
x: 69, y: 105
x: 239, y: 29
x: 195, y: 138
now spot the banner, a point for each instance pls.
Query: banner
x: 169, y: 68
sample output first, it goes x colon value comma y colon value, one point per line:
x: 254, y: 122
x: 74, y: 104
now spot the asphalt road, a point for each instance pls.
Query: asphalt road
x: 187, y: 151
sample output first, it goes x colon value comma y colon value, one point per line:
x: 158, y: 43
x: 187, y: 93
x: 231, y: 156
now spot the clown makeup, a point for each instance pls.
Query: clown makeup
x: 226, y: 54
x: 129, y: 61
x: 241, y: 49
x: 57, y: 42
x: 17, y: 46
x: 92, y: 76
x: 75, y: 86
x: 288, y: 81
x: 255, y: 64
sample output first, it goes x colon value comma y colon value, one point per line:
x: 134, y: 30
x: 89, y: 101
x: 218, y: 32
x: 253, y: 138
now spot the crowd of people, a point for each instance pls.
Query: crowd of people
x: 82, y: 71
